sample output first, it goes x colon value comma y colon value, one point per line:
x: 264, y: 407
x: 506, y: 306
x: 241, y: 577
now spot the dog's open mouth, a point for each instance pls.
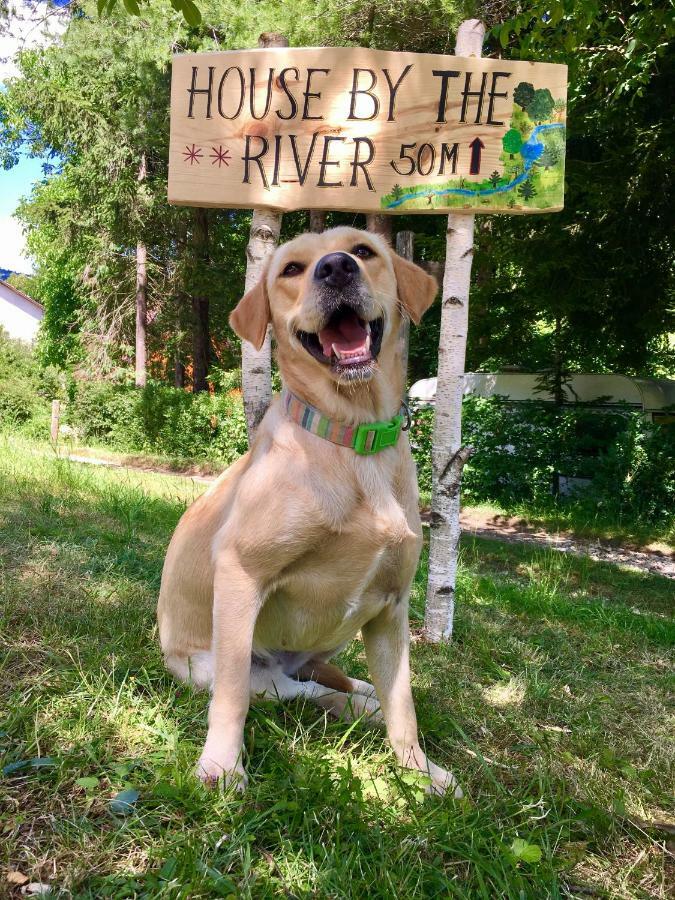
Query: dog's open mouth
x: 347, y: 342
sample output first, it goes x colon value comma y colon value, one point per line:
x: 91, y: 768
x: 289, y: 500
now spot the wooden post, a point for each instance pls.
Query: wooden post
x: 317, y: 221
x: 405, y: 247
x: 448, y: 455
x: 56, y: 416
x: 256, y: 365
x: 379, y: 224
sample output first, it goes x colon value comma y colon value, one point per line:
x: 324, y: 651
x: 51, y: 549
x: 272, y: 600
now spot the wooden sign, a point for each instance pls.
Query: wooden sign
x: 366, y: 131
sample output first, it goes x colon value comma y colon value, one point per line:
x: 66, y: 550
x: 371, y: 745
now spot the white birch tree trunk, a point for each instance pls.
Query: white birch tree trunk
x: 256, y: 365
x: 448, y: 455
x: 141, y: 352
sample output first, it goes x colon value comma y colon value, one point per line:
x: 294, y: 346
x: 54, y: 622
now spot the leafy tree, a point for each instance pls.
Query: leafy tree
x: 541, y: 106
x: 108, y: 201
x: 189, y: 9
x: 27, y: 284
x: 512, y: 142
x: 523, y: 95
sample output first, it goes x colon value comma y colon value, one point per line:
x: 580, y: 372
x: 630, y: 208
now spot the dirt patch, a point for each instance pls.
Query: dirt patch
x: 512, y: 529
x: 197, y: 471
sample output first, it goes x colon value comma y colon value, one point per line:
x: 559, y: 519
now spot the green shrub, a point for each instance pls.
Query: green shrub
x: 21, y: 402
x: 521, y: 448
x: 160, y: 419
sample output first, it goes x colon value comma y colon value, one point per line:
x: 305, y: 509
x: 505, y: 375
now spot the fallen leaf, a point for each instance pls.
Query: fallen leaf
x: 16, y: 877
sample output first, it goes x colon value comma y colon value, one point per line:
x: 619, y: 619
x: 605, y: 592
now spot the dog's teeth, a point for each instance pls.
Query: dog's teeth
x: 337, y: 352
x: 368, y: 329
x: 368, y: 340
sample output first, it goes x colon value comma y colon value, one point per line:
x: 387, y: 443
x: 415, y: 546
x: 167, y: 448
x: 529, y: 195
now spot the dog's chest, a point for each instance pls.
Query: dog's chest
x: 345, y: 580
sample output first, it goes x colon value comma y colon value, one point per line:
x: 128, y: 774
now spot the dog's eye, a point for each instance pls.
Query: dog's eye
x: 293, y: 268
x: 363, y: 251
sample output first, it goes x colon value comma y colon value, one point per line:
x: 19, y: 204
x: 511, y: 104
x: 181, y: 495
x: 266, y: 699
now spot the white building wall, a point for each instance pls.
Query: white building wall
x: 19, y: 316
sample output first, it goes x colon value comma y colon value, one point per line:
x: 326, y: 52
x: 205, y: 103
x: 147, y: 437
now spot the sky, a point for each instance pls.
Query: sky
x: 27, y: 28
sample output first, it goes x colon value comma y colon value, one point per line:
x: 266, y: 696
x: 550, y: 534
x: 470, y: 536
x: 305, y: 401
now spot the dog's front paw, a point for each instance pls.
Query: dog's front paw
x: 442, y: 781
x: 213, y: 766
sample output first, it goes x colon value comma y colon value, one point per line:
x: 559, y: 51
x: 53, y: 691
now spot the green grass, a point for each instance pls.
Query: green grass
x: 550, y: 705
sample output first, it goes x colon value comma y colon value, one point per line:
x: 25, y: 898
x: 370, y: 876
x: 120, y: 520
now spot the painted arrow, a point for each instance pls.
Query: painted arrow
x: 476, y: 146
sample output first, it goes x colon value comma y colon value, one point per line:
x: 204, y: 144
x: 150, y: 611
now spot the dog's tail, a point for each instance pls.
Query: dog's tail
x: 326, y: 674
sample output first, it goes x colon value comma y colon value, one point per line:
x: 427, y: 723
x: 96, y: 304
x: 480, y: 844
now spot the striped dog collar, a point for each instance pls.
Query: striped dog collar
x: 365, y: 439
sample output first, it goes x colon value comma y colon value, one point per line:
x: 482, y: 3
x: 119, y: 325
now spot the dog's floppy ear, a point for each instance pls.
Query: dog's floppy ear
x: 416, y: 289
x: 251, y: 315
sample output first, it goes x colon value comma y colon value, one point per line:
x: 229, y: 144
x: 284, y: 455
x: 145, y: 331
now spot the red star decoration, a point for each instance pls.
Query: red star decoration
x: 220, y: 156
x: 192, y: 154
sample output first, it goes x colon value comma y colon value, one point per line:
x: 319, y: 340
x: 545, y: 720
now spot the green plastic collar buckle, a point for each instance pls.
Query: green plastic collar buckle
x: 371, y: 437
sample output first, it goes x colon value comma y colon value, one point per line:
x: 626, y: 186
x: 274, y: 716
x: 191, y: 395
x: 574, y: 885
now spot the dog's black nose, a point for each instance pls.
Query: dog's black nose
x: 336, y: 270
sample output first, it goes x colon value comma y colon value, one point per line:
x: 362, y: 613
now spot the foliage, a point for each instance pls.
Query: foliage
x: 159, y: 420
x: 590, y: 288
x: 520, y: 449
x: 548, y: 290
x: 25, y: 389
x: 190, y: 10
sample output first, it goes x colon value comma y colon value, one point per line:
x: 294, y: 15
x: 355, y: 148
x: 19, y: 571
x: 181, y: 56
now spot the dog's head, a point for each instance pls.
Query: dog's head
x: 336, y: 300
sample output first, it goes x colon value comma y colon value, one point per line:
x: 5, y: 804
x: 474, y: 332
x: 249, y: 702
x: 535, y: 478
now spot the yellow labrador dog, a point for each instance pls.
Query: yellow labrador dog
x: 314, y: 534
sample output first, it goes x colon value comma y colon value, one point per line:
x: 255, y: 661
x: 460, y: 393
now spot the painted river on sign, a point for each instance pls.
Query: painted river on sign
x: 532, y: 151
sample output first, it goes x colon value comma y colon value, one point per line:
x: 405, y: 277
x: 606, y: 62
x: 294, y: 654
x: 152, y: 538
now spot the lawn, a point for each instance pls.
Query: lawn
x: 550, y: 704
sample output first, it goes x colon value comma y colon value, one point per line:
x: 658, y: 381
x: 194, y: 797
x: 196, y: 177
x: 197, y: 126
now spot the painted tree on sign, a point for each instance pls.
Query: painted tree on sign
x: 541, y: 105
x: 523, y: 94
x: 494, y: 178
x: 526, y: 190
x: 550, y: 157
x: 512, y: 142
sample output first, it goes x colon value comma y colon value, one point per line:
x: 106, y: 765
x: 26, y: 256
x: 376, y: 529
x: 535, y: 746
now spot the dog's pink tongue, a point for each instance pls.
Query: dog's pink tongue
x: 348, y: 336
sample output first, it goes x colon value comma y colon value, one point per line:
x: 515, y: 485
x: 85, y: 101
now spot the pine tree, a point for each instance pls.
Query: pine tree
x: 527, y: 190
